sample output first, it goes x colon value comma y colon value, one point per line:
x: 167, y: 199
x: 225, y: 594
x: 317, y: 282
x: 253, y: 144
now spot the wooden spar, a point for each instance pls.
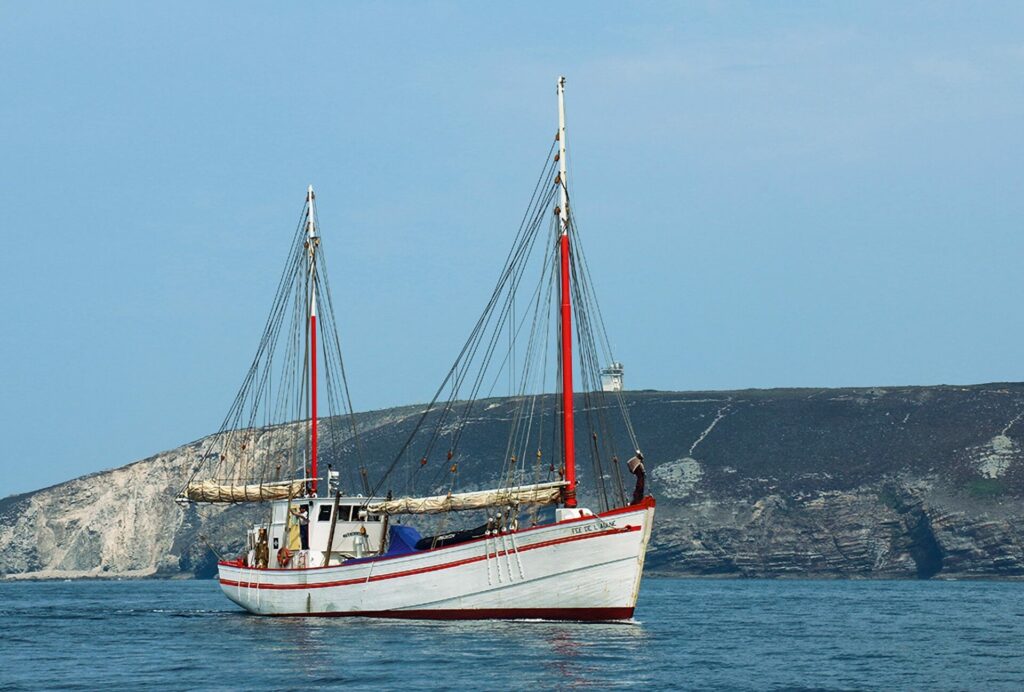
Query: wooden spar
x: 566, y: 331
x: 334, y: 523
x: 312, y: 241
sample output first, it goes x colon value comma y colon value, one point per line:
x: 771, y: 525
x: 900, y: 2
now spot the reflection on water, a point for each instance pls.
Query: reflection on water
x: 583, y: 657
x: 692, y: 633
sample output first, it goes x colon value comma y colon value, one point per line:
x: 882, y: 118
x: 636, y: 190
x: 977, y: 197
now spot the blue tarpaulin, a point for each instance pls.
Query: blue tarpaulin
x: 401, y: 540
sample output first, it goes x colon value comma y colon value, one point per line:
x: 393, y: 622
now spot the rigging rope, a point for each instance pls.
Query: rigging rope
x: 262, y: 423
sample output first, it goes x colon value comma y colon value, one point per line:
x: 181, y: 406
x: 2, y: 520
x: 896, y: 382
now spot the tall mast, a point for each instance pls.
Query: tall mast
x: 566, y: 332
x: 312, y: 241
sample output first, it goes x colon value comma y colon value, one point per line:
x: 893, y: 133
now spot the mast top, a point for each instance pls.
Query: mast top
x: 310, y: 219
x: 563, y: 215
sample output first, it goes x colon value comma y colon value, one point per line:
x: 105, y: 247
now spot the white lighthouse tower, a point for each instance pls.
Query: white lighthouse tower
x: 611, y: 377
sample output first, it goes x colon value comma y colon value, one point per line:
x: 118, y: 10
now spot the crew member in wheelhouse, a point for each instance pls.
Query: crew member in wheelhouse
x: 302, y: 517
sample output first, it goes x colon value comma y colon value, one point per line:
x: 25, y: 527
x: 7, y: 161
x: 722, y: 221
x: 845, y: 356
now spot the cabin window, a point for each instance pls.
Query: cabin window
x: 360, y: 514
x: 325, y: 513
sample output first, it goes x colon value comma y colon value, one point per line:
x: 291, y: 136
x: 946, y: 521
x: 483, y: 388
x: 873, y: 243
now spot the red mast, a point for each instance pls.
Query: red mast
x: 566, y: 332
x: 312, y: 241
x: 312, y: 377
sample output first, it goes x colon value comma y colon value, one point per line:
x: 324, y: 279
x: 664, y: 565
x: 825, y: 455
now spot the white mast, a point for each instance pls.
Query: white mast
x: 311, y: 240
x: 564, y: 205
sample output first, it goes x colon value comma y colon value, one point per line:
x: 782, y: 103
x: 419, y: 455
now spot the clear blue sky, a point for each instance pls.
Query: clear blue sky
x: 791, y: 194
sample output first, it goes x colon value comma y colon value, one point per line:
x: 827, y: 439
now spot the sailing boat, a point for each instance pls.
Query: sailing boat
x: 322, y: 551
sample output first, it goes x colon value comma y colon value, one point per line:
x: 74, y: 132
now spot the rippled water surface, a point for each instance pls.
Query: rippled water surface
x: 687, y: 633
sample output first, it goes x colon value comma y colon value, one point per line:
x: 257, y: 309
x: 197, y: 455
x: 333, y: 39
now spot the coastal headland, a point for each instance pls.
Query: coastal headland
x: 883, y: 482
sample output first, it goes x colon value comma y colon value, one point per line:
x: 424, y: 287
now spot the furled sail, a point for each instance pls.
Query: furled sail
x: 537, y: 494
x: 214, y: 491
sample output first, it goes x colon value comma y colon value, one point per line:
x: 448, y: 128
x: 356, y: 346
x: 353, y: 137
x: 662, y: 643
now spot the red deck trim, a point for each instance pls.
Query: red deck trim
x: 646, y: 503
x: 431, y: 568
x: 578, y: 614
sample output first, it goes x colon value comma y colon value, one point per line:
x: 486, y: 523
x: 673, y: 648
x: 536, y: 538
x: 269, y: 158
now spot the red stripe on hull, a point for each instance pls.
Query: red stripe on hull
x: 578, y: 614
x: 432, y: 568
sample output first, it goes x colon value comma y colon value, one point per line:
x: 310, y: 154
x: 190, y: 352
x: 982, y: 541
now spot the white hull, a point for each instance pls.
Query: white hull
x: 579, y: 569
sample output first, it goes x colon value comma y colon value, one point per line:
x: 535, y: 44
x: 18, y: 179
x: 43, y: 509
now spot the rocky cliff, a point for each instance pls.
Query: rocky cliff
x: 886, y: 482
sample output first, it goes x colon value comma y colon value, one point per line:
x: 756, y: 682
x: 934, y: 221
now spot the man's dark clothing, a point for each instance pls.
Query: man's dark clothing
x: 636, y: 467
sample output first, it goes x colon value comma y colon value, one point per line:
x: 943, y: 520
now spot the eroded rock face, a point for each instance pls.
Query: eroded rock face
x: 124, y: 522
x: 882, y: 531
x: 868, y: 483
x: 116, y: 522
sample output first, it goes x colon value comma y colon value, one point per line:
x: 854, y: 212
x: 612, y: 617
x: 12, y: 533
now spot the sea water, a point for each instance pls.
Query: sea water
x: 688, y: 633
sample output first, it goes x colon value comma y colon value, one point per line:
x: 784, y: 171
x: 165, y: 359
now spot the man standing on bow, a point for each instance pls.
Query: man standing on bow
x: 636, y: 467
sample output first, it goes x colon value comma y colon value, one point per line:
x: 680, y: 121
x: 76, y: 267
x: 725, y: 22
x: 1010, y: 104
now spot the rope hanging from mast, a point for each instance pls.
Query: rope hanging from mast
x: 267, y: 430
x: 266, y: 438
x: 527, y: 338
